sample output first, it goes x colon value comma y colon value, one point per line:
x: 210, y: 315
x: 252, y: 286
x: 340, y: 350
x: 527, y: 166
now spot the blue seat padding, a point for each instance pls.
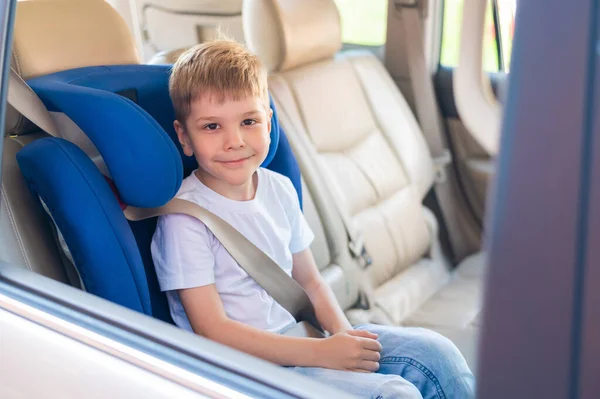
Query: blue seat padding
x: 141, y: 160
x: 128, y: 115
x: 86, y: 212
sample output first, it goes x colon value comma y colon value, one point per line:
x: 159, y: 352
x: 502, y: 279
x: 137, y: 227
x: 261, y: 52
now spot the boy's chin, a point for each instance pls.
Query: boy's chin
x: 238, y: 178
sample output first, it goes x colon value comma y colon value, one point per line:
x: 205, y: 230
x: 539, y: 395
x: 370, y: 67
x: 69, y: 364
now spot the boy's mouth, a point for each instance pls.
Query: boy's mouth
x: 235, y: 162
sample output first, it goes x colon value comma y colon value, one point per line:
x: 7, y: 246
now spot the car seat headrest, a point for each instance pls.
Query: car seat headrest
x: 286, y: 34
x: 56, y: 35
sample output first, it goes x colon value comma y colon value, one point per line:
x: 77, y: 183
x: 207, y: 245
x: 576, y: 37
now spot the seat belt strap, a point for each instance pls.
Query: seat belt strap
x: 24, y: 100
x: 283, y: 288
x: 412, y: 12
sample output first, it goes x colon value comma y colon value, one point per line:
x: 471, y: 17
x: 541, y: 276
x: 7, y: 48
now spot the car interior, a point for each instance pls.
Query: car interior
x: 367, y: 173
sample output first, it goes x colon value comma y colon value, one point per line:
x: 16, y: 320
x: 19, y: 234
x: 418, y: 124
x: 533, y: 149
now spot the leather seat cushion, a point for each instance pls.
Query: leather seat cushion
x: 456, y: 305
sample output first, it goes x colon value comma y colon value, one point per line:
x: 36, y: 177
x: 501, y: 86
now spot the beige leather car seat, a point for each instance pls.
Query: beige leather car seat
x: 51, y: 36
x: 358, y: 142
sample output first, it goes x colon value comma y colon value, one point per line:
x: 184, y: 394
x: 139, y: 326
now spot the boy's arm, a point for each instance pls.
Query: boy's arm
x: 353, y: 351
x: 328, y: 311
x: 205, y: 312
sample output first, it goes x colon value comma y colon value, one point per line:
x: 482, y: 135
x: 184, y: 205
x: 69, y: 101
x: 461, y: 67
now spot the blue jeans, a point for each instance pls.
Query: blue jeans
x: 415, y: 363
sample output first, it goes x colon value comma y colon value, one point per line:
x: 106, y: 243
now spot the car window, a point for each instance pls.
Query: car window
x: 498, y: 34
x: 363, y: 22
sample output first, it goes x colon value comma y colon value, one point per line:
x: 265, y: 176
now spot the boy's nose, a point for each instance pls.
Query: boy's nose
x: 234, y: 140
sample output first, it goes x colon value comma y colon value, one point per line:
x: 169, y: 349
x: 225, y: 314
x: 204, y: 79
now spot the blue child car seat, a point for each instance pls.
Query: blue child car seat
x: 128, y: 115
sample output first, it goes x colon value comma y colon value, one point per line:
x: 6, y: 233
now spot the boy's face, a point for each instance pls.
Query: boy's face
x: 230, y: 139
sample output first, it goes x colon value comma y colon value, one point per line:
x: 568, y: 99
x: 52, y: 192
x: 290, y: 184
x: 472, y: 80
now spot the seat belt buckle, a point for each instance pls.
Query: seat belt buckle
x: 359, y: 252
x: 440, y: 163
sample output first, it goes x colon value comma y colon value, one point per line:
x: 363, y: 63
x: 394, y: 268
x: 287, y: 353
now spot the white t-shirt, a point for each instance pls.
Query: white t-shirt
x: 187, y: 255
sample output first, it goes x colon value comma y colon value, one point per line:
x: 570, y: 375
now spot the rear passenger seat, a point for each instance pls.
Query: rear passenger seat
x: 26, y: 231
x: 369, y: 135
x: 356, y: 137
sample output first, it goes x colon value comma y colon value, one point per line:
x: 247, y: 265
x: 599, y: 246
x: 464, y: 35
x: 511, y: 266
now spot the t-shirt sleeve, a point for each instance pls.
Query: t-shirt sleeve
x: 302, y: 235
x: 181, y: 251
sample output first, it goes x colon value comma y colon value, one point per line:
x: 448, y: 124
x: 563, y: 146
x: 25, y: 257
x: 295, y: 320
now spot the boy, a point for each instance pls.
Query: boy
x: 219, y: 91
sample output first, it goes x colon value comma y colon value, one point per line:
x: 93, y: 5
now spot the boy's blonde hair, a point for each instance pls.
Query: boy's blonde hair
x: 222, y: 68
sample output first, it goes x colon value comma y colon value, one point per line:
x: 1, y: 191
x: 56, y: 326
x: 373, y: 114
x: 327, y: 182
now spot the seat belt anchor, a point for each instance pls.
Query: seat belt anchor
x: 440, y: 163
x: 359, y: 252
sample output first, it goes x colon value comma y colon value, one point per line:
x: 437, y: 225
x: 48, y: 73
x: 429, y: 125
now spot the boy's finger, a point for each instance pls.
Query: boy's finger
x: 373, y: 356
x: 370, y: 344
x: 367, y: 365
x: 363, y: 333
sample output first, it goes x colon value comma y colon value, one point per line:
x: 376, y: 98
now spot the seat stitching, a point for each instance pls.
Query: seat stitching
x: 373, y: 115
x: 303, y: 118
x: 13, y: 224
x: 395, y: 244
x: 343, y: 151
x: 378, y: 200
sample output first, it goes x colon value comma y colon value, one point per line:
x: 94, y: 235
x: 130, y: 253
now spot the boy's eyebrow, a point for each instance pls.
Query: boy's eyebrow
x: 206, y: 118
x: 212, y: 118
x: 254, y: 111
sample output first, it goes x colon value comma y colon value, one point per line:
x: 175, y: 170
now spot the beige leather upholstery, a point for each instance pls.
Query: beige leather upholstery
x: 339, y: 280
x: 277, y: 30
x: 174, y: 24
x: 379, y: 186
x: 79, y: 33
x: 56, y: 35
x: 27, y: 238
x: 359, y: 144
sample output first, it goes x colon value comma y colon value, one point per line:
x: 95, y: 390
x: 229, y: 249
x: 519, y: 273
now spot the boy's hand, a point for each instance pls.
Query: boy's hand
x: 352, y: 350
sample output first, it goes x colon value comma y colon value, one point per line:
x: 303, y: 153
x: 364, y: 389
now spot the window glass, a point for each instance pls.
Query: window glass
x: 506, y: 15
x: 451, y: 36
x: 364, y: 22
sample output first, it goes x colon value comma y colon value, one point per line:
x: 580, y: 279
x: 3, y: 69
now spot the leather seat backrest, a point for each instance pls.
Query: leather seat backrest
x: 345, y: 112
x: 45, y: 42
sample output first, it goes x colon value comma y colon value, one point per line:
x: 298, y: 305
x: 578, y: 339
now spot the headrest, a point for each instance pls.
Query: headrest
x: 111, y: 105
x: 56, y: 35
x: 289, y: 33
x: 125, y: 111
x: 197, y: 7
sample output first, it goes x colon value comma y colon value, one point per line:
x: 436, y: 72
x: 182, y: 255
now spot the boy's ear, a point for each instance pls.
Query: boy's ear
x: 183, y: 138
x: 270, y: 119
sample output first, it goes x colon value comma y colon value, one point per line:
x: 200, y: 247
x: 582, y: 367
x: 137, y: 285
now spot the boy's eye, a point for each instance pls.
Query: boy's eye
x: 248, y: 122
x: 211, y: 126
